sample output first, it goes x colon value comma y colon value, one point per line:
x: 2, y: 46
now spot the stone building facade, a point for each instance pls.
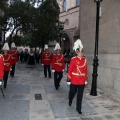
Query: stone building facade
x: 109, y: 42
x: 69, y: 14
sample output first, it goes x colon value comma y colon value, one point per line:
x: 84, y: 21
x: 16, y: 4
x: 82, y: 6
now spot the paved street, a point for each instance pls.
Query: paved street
x: 30, y: 96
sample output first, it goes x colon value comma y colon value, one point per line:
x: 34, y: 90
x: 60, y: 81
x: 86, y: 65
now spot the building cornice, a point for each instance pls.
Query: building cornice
x: 67, y: 13
x: 70, y: 9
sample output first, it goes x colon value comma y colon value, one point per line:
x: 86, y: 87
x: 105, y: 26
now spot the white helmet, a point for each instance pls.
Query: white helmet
x: 78, y: 46
x: 57, y: 47
x: 13, y: 45
x: 6, y: 46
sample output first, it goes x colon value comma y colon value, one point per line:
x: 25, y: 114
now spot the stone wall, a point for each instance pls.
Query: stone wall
x: 69, y: 4
x: 109, y: 42
x: 73, y: 18
x: 108, y: 73
x: 109, y: 26
x: 70, y: 27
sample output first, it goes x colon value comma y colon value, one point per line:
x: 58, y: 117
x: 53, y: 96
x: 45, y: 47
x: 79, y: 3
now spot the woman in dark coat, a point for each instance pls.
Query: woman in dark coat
x: 31, y: 58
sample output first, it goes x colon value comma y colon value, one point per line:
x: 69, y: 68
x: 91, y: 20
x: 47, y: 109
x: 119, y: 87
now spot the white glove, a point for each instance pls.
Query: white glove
x: 42, y: 64
x: 86, y: 82
x: 11, y: 69
x: 53, y: 70
x: 1, y: 81
x: 68, y: 82
x: 63, y: 70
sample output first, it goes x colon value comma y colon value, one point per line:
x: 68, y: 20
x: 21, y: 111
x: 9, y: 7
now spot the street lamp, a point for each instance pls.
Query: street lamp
x: 93, y: 91
x: 61, y: 27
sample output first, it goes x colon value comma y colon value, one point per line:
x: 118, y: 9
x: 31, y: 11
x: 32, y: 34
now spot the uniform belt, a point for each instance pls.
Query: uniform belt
x: 13, y: 58
x: 7, y: 64
x: 77, y: 74
x: 46, y: 59
x: 60, y: 64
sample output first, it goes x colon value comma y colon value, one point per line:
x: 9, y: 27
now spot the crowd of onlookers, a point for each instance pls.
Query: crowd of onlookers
x: 24, y: 56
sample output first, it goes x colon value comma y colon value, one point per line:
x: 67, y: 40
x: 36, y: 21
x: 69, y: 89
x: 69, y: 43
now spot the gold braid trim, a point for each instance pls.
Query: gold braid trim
x: 14, y: 53
x: 83, y: 64
x: 7, y: 59
x: 60, y: 59
x: 48, y: 55
x: 6, y: 64
x: 1, y: 56
x: 60, y: 64
x: 79, y: 72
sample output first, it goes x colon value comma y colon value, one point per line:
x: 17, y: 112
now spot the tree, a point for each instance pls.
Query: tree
x: 17, y: 15
x: 49, y: 14
x: 39, y: 24
x: 3, y: 4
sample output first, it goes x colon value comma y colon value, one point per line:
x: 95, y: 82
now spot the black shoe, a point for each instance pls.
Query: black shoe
x: 70, y: 103
x: 56, y: 88
x: 11, y: 75
x: 79, y: 111
x: 50, y: 76
x: 4, y: 87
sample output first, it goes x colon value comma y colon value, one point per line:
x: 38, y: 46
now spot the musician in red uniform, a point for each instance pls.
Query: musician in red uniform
x: 1, y: 67
x: 14, y: 58
x: 7, y: 63
x: 46, y: 61
x: 58, y: 65
x: 77, y: 74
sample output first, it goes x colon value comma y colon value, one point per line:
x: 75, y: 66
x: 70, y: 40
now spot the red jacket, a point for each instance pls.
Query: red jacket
x: 7, y: 62
x: 58, y: 62
x: 1, y: 66
x: 46, y: 58
x: 14, y: 56
x: 77, y: 72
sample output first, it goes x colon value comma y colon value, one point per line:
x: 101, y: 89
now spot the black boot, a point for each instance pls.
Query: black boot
x: 70, y: 103
x: 79, y: 111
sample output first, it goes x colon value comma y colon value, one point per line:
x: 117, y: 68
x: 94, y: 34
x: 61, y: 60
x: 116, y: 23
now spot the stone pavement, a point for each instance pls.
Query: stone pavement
x: 30, y: 96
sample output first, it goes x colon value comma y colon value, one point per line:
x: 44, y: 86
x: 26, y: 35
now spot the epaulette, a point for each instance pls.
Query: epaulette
x: 1, y: 55
x: 73, y: 57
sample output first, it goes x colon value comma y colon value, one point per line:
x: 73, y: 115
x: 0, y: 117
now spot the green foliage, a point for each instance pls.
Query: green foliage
x: 38, y: 25
x: 3, y: 4
x: 19, y: 40
x: 49, y: 12
x: 3, y: 7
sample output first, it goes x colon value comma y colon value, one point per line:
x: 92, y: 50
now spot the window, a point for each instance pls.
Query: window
x: 77, y: 2
x: 64, y: 5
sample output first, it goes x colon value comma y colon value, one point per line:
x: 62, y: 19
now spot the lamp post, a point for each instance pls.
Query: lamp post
x: 93, y: 91
x: 61, y: 27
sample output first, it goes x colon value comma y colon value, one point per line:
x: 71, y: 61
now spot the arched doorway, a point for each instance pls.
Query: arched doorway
x: 65, y: 43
